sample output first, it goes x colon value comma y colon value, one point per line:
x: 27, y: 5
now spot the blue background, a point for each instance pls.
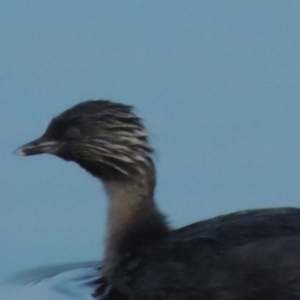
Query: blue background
x: 217, y: 83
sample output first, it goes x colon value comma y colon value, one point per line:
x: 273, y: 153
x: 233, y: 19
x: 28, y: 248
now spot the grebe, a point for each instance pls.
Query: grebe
x: 248, y: 255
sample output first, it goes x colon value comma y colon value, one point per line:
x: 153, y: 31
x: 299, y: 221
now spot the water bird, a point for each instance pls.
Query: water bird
x: 248, y: 255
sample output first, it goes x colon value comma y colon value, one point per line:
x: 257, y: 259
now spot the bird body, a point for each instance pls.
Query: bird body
x: 250, y: 255
x: 253, y: 256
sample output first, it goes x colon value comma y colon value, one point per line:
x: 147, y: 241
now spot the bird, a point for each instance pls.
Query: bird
x: 244, y: 255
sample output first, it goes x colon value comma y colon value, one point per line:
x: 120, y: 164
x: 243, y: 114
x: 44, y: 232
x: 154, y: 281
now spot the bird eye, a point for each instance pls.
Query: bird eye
x: 72, y: 132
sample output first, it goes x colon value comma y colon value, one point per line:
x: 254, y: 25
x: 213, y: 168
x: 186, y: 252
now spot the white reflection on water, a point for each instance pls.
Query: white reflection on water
x: 70, y: 281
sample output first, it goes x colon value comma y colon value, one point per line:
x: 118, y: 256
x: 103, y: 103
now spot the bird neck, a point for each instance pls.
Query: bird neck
x: 133, y: 220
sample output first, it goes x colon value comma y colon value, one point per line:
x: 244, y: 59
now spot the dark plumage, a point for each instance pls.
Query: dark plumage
x: 251, y: 255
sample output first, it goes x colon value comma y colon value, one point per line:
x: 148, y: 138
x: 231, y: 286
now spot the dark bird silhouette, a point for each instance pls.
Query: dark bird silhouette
x: 248, y: 255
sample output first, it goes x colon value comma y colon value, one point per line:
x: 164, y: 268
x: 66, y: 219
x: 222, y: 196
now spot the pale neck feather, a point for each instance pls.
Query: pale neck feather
x: 131, y: 208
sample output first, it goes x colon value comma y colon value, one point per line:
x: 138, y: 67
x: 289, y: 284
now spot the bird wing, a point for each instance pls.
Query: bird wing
x: 265, y: 269
x: 230, y: 257
x: 243, y: 227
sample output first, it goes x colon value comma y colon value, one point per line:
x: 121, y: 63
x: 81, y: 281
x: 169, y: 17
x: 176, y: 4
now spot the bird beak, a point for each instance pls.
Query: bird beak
x: 38, y: 146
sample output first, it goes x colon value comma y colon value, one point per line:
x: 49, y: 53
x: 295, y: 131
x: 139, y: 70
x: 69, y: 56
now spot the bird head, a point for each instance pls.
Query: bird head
x: 105, y: 138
